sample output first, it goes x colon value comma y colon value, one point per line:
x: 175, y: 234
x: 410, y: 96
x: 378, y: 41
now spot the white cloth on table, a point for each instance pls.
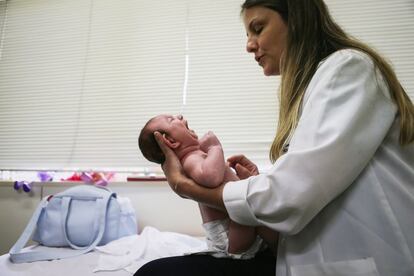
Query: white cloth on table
x: 81, y: 265
x: 132, y: 252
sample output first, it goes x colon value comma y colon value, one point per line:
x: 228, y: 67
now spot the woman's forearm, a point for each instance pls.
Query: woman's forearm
x: 212, y: 197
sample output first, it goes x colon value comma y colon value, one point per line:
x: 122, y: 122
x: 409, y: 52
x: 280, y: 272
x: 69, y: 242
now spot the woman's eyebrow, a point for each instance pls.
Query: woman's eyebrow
x: 249, y: 27
x: 252, y: 23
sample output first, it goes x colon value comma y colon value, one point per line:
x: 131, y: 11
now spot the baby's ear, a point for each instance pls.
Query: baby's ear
x: 169, y: 141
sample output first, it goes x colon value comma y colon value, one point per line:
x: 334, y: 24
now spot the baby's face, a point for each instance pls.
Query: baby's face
x: 174, y: 126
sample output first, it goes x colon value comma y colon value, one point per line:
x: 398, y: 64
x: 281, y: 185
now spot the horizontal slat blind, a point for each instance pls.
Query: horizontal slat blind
x: 79, y: 78
x: 227, y: 91
x: 40, y: 81
x: 387, y: 26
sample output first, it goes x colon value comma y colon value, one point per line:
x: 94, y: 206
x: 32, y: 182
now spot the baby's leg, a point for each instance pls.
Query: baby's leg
x: 209, y: 214
x: 241, y: 237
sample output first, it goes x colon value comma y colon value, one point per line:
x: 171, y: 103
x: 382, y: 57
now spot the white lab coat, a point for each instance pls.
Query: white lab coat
x: 342, y: 197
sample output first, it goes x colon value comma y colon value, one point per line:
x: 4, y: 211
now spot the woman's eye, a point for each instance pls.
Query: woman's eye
x: 257, y: 29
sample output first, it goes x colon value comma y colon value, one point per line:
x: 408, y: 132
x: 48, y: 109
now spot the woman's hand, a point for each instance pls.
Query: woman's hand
x: 244, y: 167
x: 184, y: 186
x: 172, y: 167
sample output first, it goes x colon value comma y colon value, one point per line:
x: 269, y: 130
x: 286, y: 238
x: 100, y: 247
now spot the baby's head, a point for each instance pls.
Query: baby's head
x: 147, y: 144
x: 175, y: 133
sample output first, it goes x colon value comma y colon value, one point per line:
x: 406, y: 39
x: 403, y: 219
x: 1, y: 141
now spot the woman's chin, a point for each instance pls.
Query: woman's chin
x: 267, y: 72
x: 270, y: 72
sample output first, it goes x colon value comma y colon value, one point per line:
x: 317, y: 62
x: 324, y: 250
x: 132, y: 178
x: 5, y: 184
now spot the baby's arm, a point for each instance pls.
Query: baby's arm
x: 207, y: 168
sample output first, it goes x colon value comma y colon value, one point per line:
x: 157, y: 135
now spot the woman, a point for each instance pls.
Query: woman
x: 341, y: 190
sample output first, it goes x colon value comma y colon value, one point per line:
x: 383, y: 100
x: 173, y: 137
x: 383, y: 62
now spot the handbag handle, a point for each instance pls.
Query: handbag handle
x: 102, y: 205
x: 14, y: 252
x: 16, y: 256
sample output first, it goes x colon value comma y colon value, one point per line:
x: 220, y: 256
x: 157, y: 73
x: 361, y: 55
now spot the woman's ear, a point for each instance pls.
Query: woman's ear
x: 169, y: 141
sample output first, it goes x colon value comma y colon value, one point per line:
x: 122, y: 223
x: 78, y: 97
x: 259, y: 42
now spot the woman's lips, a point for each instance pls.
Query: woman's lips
x: 257, y: 58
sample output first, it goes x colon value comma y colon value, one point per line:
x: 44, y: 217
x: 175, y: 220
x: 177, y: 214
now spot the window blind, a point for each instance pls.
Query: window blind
x: 79, y: 78
x: 387, y: 26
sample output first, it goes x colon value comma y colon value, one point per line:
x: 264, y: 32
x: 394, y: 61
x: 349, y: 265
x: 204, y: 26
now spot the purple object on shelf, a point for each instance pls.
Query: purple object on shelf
x: 17, y: 185
x: 86, y: 177
x: 44, y: 176
x: 101, y: 182
x: 27, y: 186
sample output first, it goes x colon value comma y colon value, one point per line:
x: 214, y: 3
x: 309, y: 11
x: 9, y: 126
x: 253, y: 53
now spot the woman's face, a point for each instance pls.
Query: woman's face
x: 266, y: 37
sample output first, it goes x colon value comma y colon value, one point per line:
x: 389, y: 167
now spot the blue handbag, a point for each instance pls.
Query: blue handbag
x: 80, y: 217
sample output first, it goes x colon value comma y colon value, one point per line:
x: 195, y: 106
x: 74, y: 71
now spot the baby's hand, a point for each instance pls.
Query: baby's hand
x: 209, y: 140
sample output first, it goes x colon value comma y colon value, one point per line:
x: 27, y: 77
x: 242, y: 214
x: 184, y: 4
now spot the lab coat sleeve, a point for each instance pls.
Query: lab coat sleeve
x: 346, y: 113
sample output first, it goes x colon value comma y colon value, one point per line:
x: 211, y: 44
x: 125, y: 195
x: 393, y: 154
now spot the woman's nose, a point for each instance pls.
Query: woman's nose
x: 251, y: 45
x: 179, y: 117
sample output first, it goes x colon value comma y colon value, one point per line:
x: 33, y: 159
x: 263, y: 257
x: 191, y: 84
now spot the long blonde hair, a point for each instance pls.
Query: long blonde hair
x: 312, y: 36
